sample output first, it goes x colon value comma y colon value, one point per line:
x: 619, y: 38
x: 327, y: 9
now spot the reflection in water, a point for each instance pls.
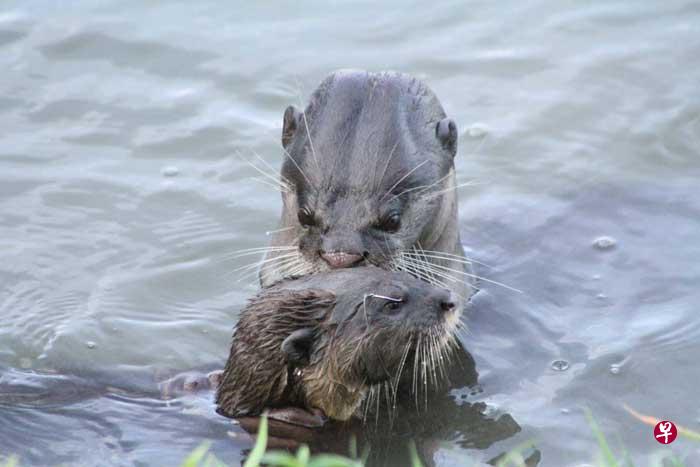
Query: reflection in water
x: 29, y: 399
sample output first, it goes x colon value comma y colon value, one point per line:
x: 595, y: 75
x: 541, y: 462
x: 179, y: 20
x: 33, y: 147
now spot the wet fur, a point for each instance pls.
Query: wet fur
x: 354, y: 347
x: 368, y: 144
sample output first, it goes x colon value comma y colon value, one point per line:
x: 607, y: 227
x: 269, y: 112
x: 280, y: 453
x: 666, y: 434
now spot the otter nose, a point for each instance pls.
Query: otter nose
x: 444, y: 300
x: 340, y: 259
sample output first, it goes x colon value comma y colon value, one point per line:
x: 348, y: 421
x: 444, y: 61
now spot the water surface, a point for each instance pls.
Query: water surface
x: 121, y: 195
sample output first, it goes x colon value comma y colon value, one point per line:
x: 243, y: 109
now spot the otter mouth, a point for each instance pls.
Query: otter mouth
x: 341, y: 259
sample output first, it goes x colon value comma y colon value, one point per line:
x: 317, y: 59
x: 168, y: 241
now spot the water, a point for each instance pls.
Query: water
x: 120, y: 194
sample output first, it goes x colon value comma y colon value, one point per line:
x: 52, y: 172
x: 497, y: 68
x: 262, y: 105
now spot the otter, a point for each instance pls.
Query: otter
x: 320, y: 342
x: 369, y: 178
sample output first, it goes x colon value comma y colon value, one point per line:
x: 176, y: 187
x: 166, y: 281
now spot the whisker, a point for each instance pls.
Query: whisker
x: 278, y: 182
x: 270, y: 232
x: 423, y: 188
x: 386, y: 166
x: 306, y: 126
x: 450, y: 256
x: 445, y: 268
x: 461, y: 185
x: 297, y: 166
x: 404, y: 177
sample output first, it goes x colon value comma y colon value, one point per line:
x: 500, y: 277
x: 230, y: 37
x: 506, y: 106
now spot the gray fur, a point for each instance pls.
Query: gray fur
x: 360, y: 151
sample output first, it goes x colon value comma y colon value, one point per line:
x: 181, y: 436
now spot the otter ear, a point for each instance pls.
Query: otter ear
x: 290, y: 123
x: 446, y: 133
x: 297, y: 346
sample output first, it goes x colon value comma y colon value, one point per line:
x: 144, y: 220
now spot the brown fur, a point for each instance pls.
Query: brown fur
x: 352, y: 341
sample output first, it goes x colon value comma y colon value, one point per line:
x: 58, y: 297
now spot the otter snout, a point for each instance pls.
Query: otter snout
x: 340, y: 259
x: 443, y: 301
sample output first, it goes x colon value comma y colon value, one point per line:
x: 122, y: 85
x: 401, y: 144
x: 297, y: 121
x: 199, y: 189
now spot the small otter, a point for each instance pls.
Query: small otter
x: 320, y: 341
x: 369, y: 167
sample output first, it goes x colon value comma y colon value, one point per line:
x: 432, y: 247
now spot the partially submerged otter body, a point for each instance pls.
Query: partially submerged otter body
x: 319, y: 342
x: 370, y: 170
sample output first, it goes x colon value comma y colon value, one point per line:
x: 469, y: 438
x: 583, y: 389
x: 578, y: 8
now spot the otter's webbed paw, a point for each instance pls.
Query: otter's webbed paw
x: 188, y: 383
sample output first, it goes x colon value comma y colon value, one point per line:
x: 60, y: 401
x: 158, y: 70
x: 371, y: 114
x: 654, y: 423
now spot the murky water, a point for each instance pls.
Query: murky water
x: 120, y: 195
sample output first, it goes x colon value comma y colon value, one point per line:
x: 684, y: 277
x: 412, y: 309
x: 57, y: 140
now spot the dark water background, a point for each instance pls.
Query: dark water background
x: 120, y: 195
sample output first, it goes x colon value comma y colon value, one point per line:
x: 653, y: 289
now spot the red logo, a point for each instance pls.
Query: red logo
x: 665, y: 432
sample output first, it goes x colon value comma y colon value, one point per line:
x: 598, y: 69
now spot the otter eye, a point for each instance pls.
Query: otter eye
x: 306, y: 217
x: 392, y: 306
x: 391, y: 222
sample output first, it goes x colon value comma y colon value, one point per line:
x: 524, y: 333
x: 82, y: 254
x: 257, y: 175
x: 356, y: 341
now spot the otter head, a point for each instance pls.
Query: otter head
x: 371, y: 171
x: 376, y: 323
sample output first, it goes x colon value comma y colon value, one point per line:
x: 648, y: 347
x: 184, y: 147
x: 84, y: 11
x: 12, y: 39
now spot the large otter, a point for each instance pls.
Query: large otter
x: 369, y: 177
x: 319, y: 342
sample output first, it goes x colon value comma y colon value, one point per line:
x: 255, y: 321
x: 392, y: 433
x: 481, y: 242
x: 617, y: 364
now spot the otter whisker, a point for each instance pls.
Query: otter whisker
x: 265, y: 261
x: 270, y: 184
x: 270, y: 232
x: 461, y: 185
x: 279, y: 183
x: 435, y: 270
x: 445, y: 268
x: 422, y: 270
x: 386, y: 166
x: 422, y: 188
x: 255, y: 251
x: 448, y: 257
x: 273, y: 170
x: 404, y: 178
x: 306, y: 126
x: 297, y: 166
x: 277, y: 263
x: 416, y: 358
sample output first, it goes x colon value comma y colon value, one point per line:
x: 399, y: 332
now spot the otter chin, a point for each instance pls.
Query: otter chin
x: 322, y: 341
x: 369, y: 166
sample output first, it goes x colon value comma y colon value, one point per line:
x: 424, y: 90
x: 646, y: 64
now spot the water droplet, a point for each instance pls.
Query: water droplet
x: 565, y: 411
x: 601, y: 296
x: 170, y: 171
x: 560, y: 365
x: 90, y: 344
x: 615, y: 368
x: 604, y: 243
x: 477, y: 130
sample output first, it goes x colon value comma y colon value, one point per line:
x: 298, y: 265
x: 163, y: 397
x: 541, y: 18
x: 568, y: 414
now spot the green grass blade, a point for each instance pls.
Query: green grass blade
x: 332, y: 460
x: 258, y: 451
x: 415, y: 459
x: 196, y: 456
x: 608, y: 456
x: 303, y: 454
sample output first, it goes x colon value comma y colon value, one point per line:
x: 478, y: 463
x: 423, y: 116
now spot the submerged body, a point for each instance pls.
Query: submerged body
x: 321, y: 341
x: 369, y: 179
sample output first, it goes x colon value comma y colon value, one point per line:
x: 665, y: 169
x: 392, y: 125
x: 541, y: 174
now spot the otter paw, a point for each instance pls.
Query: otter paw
x: 300, y: 417
x: 188, y: 383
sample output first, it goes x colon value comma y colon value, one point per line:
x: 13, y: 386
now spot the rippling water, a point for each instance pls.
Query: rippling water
x: 121, y: 195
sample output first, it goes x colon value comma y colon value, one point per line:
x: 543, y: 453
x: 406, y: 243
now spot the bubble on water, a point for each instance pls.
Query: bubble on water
x: 477, y: 130
x: 565, y: 411
x: 596, y: 277
x: 170, y: 171
x: 90, y: 344
x: 601, y: 296
x: 560, y: 365
x: 604, y: 242
x: 615, y: 368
